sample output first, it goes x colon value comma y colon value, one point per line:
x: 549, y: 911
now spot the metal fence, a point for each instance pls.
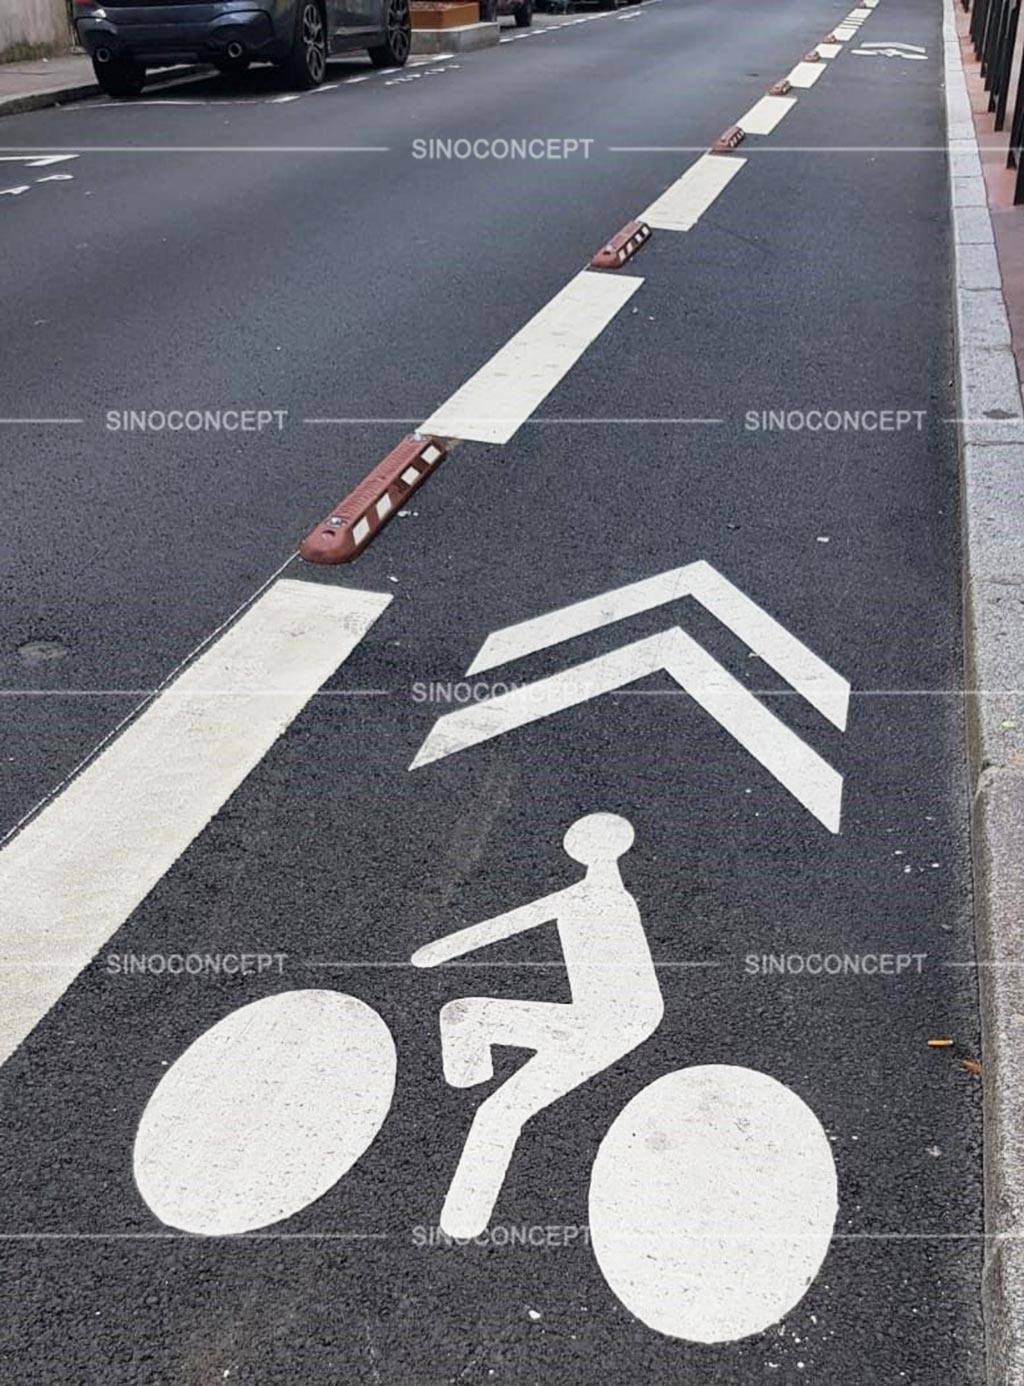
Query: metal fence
x: 994, y: 36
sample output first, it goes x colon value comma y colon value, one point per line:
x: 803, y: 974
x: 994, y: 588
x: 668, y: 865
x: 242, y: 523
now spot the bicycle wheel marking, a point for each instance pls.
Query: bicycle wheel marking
x: 712, y: 1203
x: 265, y: 1112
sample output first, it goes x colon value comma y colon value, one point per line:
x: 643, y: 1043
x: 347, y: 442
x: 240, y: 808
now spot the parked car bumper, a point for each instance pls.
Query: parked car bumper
x: 155, y: 35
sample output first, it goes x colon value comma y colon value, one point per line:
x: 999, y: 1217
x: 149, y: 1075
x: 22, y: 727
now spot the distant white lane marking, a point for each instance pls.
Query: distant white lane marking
x: 805, y: 74
x: 844, y: 32
x: 57, y: 178
x: 829, y: 50
x: 75, y: 873
x: 764, y: 116
x: 501, y: 396
x: 14, y: 192
x: 683, y: 204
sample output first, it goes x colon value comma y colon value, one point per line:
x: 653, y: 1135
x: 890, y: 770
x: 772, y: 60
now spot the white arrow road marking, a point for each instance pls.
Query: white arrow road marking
x: 265, y: 1112
x: 812, y: 678
x: 712, y: 1203
x: 14, y: 192
x: 683, y: 204
x: 57, y: 178
x: 808, y: 777
x: 501, y: 396
x: 73, y: 876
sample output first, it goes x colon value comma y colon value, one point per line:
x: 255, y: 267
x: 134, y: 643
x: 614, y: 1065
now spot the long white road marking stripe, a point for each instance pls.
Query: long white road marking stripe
x: 502, y: 395
x: 802, y: 669
x: 805, y: 74
x: 809, y: 778
x: 683, y: 204
x: 74, y: 875
x: 763, y: 117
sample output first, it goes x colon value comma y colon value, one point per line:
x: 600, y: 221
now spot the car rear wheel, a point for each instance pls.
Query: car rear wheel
x: 120, y: 77
x: 394, y: 51
x: 524, y: 14
x: 306, y: 65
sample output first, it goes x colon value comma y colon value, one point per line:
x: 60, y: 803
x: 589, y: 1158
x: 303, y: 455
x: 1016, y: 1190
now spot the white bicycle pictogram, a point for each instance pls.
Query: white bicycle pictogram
x: 712, y: 1196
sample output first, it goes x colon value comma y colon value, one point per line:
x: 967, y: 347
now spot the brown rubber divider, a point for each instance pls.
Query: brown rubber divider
x: 780, y: 88
x: 343, y: 534
x: 622, y: 246
x: 812, y: 57
x: 728, y: 139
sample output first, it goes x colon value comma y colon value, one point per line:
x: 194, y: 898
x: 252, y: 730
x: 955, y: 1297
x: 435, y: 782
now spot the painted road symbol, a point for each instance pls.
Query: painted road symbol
x: 713, y: 1194
x: 616, y: 1006
x: 807, y: 776
x: 911, y: 51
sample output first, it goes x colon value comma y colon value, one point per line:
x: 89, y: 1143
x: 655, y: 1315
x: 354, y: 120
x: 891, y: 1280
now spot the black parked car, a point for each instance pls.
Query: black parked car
x: 124, y: 37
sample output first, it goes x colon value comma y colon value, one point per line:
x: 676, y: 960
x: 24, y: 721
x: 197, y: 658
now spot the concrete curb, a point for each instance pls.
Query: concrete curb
x: 992, y: 509
x: 465, y: 38
x: 60, y: 96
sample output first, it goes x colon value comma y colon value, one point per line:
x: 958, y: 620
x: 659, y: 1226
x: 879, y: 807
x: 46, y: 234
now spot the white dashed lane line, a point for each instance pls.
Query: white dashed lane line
x: 502, y: 395
x: 764, y: 116
x: 683, y: 204
x: 805, y: 74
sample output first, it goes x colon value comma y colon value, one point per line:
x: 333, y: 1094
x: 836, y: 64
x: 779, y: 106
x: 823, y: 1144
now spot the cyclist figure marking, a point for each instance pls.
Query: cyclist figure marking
x: 616, y: 1005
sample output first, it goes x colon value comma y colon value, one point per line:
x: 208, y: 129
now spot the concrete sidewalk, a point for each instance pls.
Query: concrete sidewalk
x: 54, y: 81
x: 989, y: 295
x: 45, y: 82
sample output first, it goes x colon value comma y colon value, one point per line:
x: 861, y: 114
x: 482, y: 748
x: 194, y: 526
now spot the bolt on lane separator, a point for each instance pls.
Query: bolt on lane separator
x: 343, y: 534
x: 622, y: 246
x: 728, y: 139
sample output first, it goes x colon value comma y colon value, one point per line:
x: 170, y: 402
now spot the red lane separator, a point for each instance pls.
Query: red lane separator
x: 344, y: 533
x: 812, y: 57
x: 780, y: 88
x: 728, y: 139
x: 831, y: 38
x: 622, y: 246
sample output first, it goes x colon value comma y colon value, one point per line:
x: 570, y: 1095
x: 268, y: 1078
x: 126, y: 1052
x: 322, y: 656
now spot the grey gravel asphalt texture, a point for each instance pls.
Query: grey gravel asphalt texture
x: 371, y: 285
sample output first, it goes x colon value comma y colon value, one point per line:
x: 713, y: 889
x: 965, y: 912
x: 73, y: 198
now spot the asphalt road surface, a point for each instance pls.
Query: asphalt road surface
x: 270, y: 812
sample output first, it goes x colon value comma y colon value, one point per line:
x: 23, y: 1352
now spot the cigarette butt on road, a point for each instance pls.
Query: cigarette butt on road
x: 971, y: 1065
x: 940, y: 1044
